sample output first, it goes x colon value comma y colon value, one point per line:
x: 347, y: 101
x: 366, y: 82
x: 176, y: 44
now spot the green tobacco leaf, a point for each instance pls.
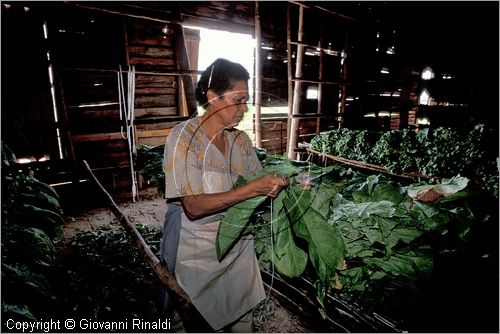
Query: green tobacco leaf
x: 279, y: 224
x: 429, y: 217
x: 22, y: 276
x: 387, y: 192
x: 281, y: 165
x: 322, y: 196
x: 233, y: 224
x: 18, y: 312
x: 359, y: 248
x: 42, y: 187
x: 46, y: 220
x: 326, y: 246
x: 36, y: 246
x: 41, y: 200
x: 411, y: 265
x: 289, y: 259
x: 406, y: 235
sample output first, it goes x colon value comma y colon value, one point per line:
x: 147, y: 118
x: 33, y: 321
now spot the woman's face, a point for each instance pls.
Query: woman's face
x: 230, y: 107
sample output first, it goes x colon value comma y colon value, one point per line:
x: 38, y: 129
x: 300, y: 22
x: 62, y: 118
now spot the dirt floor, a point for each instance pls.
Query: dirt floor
x: 269, y: 316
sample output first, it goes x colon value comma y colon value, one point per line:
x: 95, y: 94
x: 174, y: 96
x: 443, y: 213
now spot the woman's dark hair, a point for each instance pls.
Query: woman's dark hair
x: 219, y: 77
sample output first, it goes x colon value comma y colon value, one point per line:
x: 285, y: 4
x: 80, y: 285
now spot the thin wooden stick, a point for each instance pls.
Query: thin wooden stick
x: 193, y: 321
x: 367, y: 166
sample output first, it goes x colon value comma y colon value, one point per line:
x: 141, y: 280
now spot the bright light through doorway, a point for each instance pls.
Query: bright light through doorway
x: 223, y: 44
x: 234, y: 47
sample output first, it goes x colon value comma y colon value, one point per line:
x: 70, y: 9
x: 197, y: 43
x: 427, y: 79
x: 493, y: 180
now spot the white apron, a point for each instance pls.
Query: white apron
x: 225, y: 291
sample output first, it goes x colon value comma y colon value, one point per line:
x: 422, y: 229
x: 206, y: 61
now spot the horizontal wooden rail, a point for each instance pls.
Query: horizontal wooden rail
x: 367, y: 166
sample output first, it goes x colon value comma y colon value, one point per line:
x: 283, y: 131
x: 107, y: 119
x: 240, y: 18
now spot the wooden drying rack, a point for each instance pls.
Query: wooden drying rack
x: 369, y: 167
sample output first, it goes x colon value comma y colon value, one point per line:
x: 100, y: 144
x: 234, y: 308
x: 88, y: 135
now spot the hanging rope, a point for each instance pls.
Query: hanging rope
x: 127, y: 116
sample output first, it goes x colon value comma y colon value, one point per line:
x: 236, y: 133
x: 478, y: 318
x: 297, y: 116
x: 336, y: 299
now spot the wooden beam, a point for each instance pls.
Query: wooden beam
x: 153, y: 133
x: 320, y: 75
x: 191, y: 318
x: 289, y: 70
x: 258, y: 79
x: 302, y: 4
x: 183, y: 63
x: 120, y: 11
x: 328, y: 51
x: 297, y: 93
x: 162, y: 73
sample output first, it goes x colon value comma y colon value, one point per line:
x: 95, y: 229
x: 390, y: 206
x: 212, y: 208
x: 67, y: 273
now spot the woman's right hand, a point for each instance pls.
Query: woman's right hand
x: 269, y: 185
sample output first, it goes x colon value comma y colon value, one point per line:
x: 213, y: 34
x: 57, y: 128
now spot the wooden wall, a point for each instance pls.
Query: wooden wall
x: 88, y: 48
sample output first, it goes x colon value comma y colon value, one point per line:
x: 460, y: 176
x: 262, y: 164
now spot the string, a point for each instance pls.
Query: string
x: 272, y: 263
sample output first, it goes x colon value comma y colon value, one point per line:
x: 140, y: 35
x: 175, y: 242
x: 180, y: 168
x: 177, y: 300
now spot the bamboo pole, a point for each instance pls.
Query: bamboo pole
x: 297, y: 93
x: 193, y: 321
x: 258, y: 80
x: 289, y: 72
x: 320, y: 75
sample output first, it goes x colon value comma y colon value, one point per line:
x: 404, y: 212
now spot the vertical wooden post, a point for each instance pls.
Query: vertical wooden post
x: 320, y: 75
x: 342, y: 90
x: 70, y: 148
x: 258, y: 80
x: 183, y: 64
x: 289, y: 71
x: 297, y: 92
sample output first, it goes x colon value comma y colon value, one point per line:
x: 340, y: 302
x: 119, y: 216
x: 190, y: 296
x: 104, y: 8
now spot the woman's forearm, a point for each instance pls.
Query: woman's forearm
x: 198, y: 206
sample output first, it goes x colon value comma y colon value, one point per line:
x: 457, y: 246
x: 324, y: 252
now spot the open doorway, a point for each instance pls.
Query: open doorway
x: 235, y: 47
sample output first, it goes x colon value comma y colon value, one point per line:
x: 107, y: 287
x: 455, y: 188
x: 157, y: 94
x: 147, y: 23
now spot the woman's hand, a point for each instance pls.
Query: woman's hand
x: 197, y: 206
x: 269, y: 185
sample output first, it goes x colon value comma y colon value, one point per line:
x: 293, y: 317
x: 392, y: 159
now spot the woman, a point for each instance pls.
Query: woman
x: 203, y: 158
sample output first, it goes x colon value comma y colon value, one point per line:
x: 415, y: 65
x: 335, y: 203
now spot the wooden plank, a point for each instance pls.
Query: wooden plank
x: 155, y: 91
x: 233, y: 15
x: 155, y: 112
x: 94, y: 114
x: 151, y: 61
x: 90, y: 95
x: 143, y: 80
x: 97, y: 136
x: 88, y: 78
x: 158, y: 41
x: 106, y: 159
x: 103, y: 146
x: 148, y: 28
x: 273, y: 147
x: 279, y: 135
x: 153, y: 133
x: 271, y: 126
x: 150, y: 51
x: 152, y: 141
x: 156, y: 126
x: 155, y: 101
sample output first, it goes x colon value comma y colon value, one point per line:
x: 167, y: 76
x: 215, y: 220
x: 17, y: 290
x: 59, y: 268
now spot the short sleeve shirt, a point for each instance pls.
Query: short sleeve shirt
x: 190, y: 158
